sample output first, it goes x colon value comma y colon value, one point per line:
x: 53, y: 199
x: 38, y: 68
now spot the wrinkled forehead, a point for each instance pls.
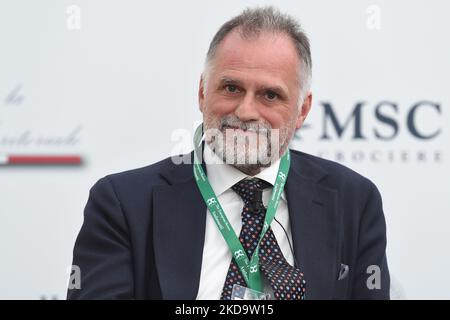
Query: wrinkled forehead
x: 271, y: 52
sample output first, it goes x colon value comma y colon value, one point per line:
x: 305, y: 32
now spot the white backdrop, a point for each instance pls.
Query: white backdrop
x: 111, y: 80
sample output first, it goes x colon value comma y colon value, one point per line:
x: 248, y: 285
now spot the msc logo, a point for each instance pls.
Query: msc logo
x: 385, y: 113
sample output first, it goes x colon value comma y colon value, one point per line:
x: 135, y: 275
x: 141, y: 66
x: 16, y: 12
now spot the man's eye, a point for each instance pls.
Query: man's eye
x: 231, y: 88
x: 270, y: 95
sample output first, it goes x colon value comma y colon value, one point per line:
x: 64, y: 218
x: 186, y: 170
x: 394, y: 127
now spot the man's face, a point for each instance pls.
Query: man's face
x: 253, y: 88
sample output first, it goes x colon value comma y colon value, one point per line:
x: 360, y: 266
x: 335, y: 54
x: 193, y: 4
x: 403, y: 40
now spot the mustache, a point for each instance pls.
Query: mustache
x: 236, y: 123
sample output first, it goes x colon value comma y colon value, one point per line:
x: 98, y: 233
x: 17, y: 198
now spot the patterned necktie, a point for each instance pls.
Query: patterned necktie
x: 286, y: 281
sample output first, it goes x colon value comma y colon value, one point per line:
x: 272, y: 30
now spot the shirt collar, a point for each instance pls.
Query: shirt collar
x: 222, y: 176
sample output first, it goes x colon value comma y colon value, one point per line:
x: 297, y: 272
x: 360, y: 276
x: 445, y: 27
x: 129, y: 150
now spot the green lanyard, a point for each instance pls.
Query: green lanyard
x: 249, y: 268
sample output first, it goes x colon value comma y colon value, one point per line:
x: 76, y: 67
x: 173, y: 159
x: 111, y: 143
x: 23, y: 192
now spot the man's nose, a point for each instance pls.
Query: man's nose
x: 247, y: 109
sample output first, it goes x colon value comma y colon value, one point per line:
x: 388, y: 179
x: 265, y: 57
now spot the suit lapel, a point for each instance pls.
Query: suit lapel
x: 179, y: 218
x: 179, y: 221
x: 313, y: 216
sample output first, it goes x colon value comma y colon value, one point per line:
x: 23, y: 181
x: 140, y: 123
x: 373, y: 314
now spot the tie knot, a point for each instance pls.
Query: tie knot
x: 250, y: 190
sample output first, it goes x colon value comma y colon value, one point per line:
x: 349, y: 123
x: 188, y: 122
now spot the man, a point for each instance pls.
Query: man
x: 154, y: 232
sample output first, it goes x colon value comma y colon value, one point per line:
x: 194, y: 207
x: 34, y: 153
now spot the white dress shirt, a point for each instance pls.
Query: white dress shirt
x: 216, y: 254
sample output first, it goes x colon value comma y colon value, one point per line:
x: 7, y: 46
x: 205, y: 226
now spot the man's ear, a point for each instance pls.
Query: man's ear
x: 306, y: 107
x: 201, y: 96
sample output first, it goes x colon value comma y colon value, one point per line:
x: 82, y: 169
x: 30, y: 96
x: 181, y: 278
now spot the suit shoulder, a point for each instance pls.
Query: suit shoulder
x: 139, y: 178
x: 151, y: 170
x: 337, y: 173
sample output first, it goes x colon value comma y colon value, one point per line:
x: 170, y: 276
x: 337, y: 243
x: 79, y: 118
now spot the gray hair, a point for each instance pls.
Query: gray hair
x: 251, y: 22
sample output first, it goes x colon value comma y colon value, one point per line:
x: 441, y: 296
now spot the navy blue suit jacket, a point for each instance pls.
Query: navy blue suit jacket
x: 144, y: 231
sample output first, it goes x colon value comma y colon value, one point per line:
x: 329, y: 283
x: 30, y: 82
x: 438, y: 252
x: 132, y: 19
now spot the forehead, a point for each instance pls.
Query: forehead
x: 273, y: 54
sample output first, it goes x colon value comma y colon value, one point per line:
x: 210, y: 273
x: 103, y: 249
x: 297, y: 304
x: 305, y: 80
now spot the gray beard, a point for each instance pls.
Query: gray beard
x: 264, y: 155
x: 246, y: 167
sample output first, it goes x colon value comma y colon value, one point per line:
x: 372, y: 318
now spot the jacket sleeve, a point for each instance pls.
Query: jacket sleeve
x: 371, y: 278
x: 102, y: 249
